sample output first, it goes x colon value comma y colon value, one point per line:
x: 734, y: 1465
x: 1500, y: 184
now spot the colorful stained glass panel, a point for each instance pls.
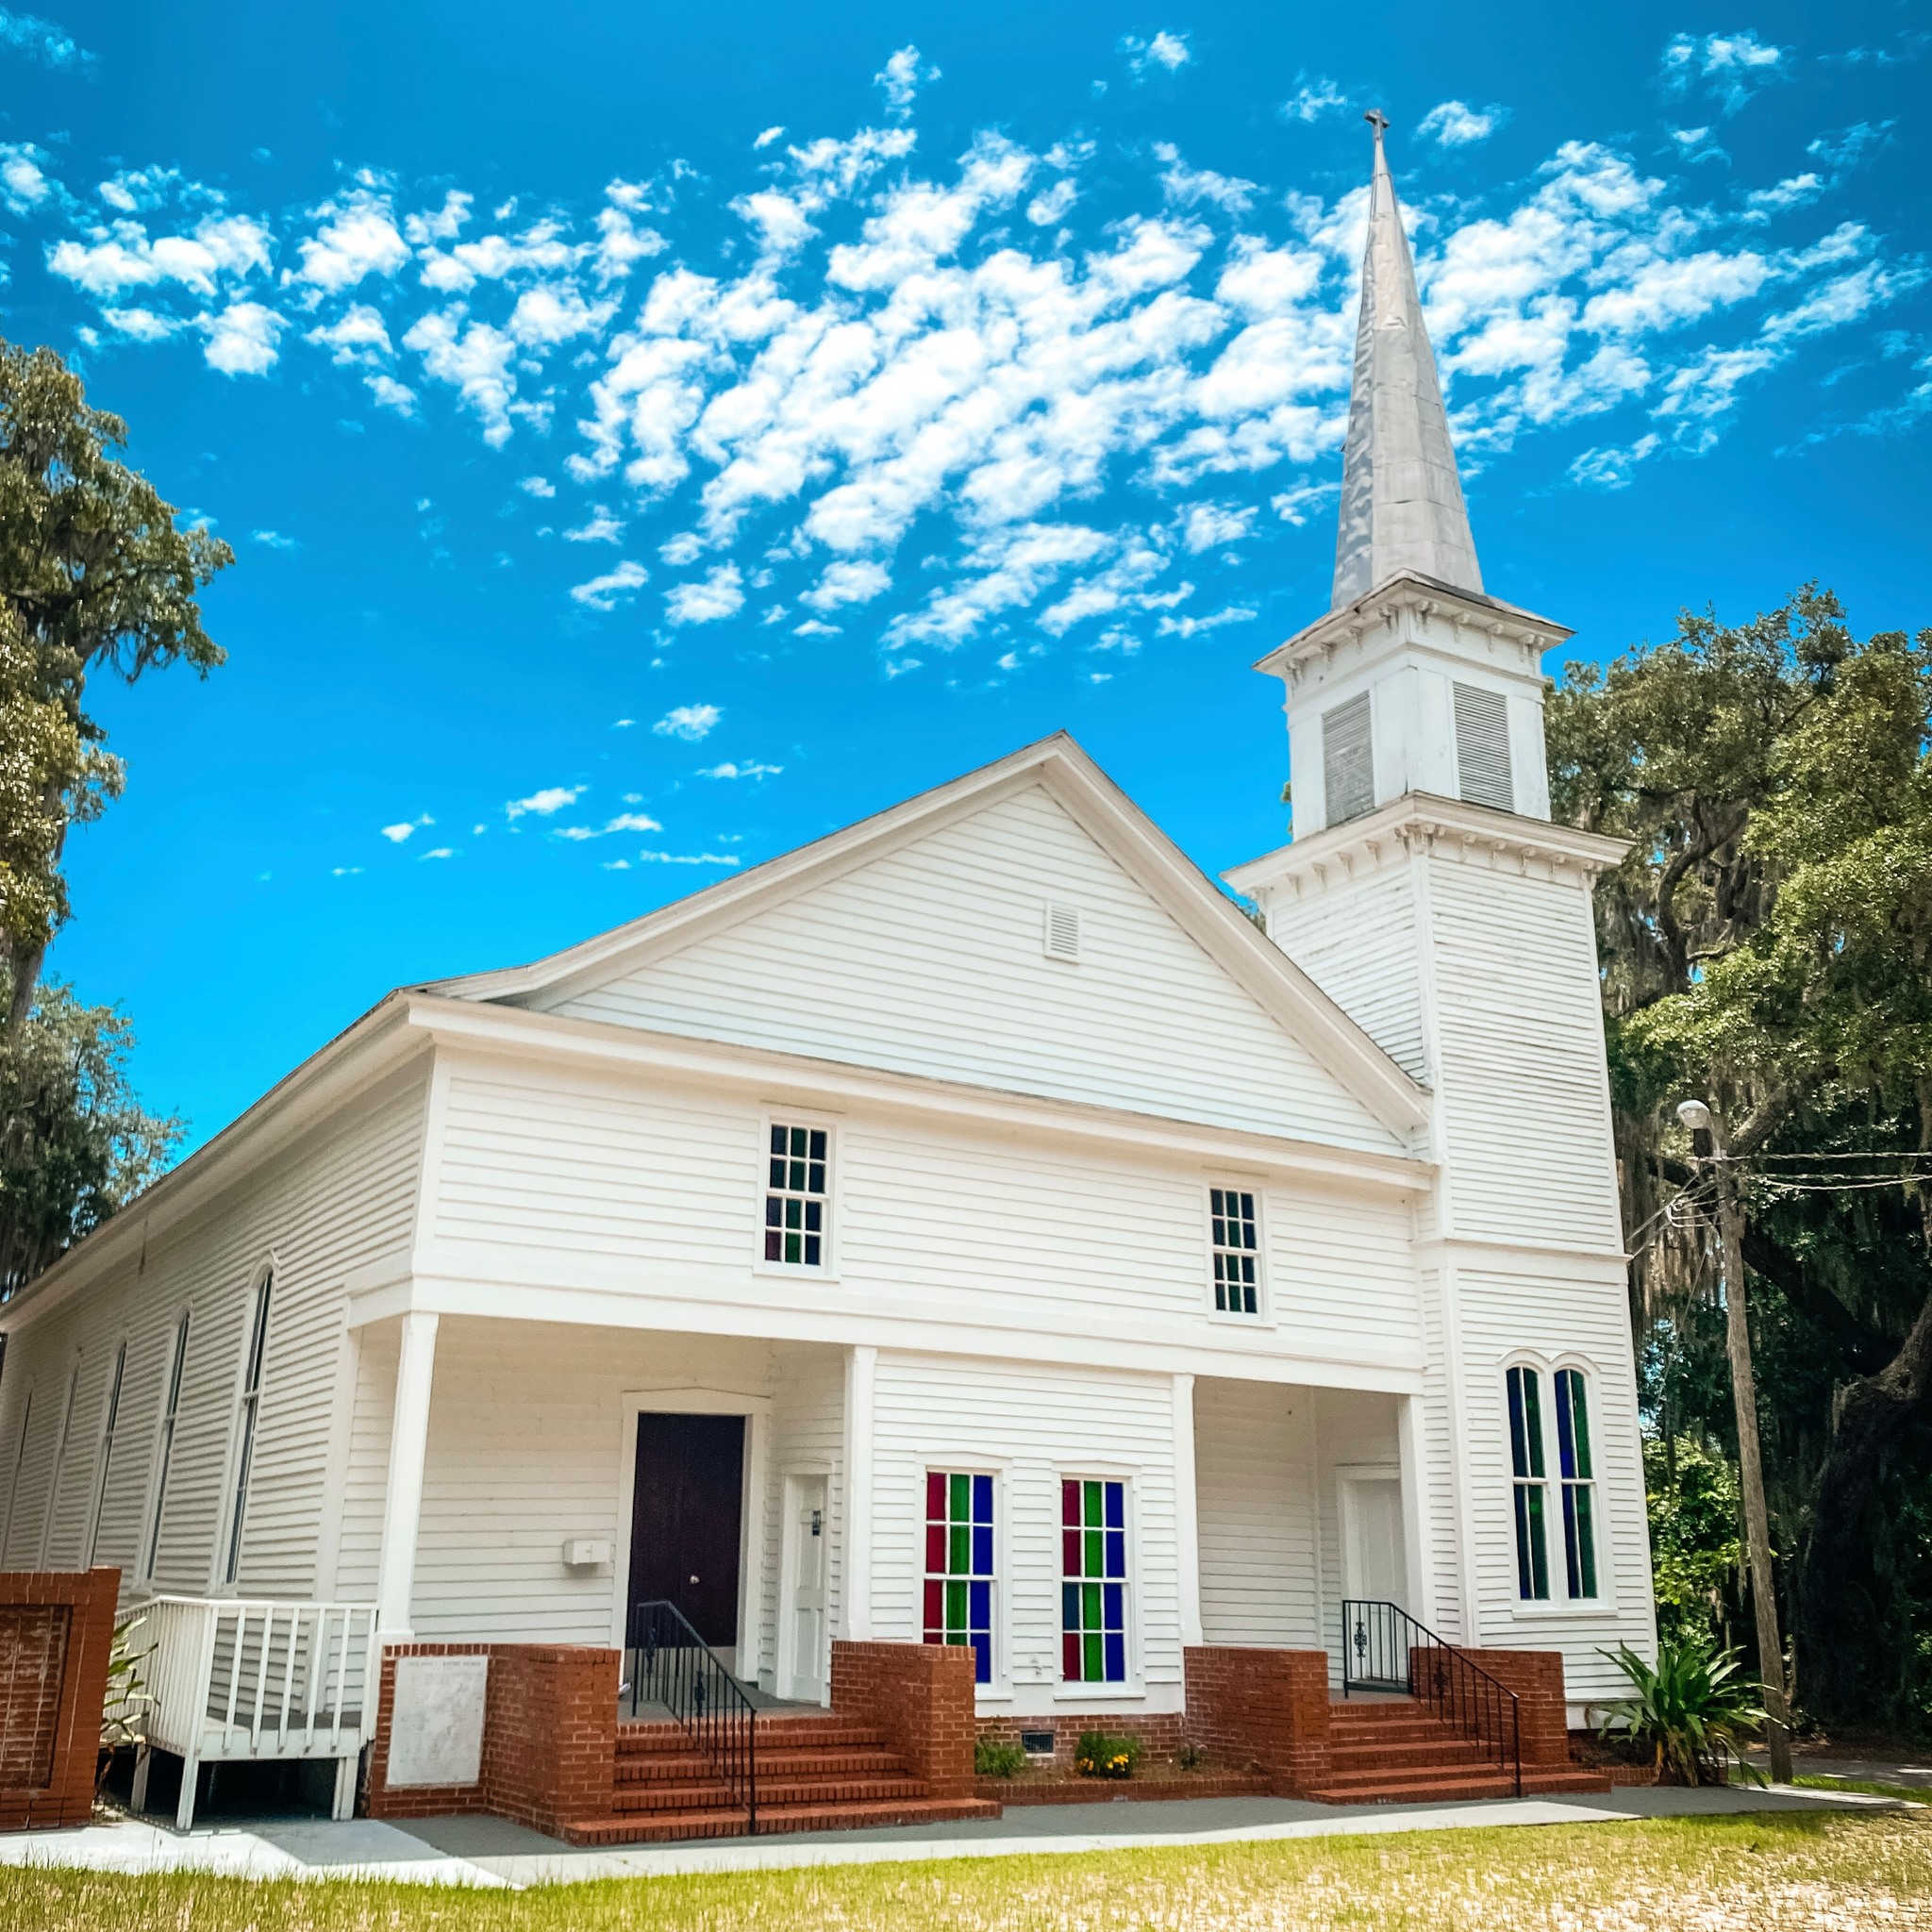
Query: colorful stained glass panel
x: 1093, y: 1559
x: 960, y: 1564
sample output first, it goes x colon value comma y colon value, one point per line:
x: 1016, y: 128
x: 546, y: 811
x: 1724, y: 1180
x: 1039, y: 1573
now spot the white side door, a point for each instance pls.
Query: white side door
x: 1372, y: 1558
x: 807, y: 1535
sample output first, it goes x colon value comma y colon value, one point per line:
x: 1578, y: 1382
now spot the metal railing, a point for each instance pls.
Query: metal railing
x: 1384, y: 1648
x: 669, y: 1663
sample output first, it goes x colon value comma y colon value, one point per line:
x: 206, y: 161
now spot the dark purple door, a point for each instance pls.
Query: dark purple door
x: 685, y: 1519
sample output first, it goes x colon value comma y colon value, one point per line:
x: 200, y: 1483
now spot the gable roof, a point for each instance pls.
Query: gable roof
x: 1202, y: 910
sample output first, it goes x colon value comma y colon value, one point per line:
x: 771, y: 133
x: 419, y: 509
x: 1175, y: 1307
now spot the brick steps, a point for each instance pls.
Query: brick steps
x: 1396, y: 1753
x: 731, y: 1822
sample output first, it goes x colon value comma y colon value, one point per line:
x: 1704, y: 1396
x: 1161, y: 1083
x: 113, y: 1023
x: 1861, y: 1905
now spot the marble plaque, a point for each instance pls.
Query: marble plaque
x: 436, y: 1726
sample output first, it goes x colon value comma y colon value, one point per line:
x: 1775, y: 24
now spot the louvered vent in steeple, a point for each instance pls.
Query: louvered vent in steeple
x: 1482, y: 747
x: 1348, y: 762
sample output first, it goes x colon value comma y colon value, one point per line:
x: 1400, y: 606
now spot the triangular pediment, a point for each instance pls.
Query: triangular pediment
x: 932, y: 939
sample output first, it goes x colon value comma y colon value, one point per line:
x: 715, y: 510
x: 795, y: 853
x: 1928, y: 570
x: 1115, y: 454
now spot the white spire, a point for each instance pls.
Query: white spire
x: 1401, y: 499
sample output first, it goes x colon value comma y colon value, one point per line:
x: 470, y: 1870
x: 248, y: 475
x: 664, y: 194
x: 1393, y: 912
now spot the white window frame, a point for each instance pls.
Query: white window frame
x: 1594, y: 1482
x: 103, y: 1449
x: 167, y: 1427
x: 827, y: 1269
x: 1559, y: 1605
x: 1097, y: 1469
x: 1263, y: 1316
x: 54, y: 1475
x: 245, y: 1429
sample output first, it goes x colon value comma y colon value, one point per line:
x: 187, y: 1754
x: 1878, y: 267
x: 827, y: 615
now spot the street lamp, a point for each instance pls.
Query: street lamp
x: 1700, y: 1117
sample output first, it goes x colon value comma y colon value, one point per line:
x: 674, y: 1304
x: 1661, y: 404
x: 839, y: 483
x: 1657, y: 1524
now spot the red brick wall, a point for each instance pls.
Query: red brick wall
x: 549, y: 1736
x: 920, y: 1696
x: 1537, y: 1678
x: 1268, y: 1707
x: 56, y: 1631
x: 1161, y: 1733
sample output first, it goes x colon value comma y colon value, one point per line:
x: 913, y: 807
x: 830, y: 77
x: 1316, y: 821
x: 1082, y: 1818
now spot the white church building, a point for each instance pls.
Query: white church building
x: 973, y: 1227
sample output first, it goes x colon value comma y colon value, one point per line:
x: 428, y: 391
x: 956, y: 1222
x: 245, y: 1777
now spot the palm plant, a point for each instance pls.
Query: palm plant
x: 126, y: 1703
x: 1692, y: 1707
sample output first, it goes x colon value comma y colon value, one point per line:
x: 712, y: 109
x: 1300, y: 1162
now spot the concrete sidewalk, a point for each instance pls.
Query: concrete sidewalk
x: 492, y: 1852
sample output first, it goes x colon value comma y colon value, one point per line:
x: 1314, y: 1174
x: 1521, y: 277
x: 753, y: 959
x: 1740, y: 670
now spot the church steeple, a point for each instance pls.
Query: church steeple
x: 1402, y: 506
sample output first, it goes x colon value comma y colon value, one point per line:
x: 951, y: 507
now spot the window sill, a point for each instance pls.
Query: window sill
x: 1562, y: 1607
x: 1223, y: 1318
x: 1099, y: 1694
x: 793, y: 1271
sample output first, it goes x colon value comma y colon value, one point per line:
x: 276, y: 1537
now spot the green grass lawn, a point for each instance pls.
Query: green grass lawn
x: 1765, y: 1872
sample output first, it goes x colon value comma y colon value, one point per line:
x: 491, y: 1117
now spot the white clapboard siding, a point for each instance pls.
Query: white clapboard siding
x: 1526, y: 1117
x: 560, y: 1176
x: 930, y: 960
x: 1440, y: 1448
x: 331, y: 1202
x: 1030, y: 1426
x: 1350, y: 1428
x: 365, y: 1474
x: 807, y: 1430
x: 1357, y: 939
x: 1254, y: 1477
x: 1564, y: 1324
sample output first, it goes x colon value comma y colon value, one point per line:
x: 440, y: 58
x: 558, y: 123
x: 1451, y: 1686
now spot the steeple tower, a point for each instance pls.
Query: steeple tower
x: 1401, y: 505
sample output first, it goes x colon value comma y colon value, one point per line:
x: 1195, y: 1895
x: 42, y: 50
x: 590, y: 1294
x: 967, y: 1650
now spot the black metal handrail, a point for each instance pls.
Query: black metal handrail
x: 669, y: 1663
x: 1384, y: 1648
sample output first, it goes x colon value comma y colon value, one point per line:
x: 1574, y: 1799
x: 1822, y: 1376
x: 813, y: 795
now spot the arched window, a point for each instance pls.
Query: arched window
x: 1532, y: 1489
x: 251, y: 1414
x: 1577, y: 1466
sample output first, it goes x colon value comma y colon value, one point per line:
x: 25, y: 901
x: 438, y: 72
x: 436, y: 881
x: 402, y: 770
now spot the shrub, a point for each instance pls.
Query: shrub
x: 1190, y: 1757
x: 1692, y: 1709
x: 997, y: 1758
x: 1101, y: 1755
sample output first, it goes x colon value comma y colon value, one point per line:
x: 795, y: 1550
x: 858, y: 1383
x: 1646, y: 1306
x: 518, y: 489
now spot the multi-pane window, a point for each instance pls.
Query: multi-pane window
x: 113, y: 1416
x: 1094, y: 1581
x: 1233, y: 1213
x: 171, y: 1409
x: 1577, y: 1468
x: 1531, y: 1484
x: 960, y: 1564
x: 795, y: 1196
x: 250, y: 1411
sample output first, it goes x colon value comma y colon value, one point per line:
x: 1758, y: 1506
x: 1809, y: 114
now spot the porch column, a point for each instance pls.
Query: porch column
x: 862, y: 1382
x: 402, y: 1509
x: 1186, y: 1521
x: 1415, y: 1508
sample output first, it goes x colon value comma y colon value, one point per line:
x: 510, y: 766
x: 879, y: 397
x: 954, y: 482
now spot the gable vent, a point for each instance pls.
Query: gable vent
x: 1348, y: 762
x: 1062, y: 934
x: 1482, y: 747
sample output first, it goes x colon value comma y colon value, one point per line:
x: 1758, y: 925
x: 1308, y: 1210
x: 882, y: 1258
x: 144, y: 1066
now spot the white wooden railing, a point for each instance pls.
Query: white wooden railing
x: 243, y: 1680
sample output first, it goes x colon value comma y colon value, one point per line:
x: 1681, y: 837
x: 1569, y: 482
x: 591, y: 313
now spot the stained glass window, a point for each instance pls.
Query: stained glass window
x: 1094, y: 1582
x: 1577, y: 1471
x: 1532, y: 1490
x: 960, y: 1564
x: 795, y: 1196
x: 1233, y: 1250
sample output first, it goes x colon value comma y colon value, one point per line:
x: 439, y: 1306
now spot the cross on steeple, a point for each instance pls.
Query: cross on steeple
x: 1377, y: 119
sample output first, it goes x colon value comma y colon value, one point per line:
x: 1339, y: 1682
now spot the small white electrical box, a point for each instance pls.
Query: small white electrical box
x: 584, y: 1553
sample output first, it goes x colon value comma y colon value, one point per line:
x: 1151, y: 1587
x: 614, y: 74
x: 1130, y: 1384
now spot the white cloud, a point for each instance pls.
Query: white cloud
x: 438, y: 851
x: 748, y: 768
x: 1609, y: 469
x: 600, y: 527
x: 545, y: 803
x: 717, y: 596
x: 1312, y: 98
x: 1207, y: 525
x: 902, y: 77
x: 847, y: 583
x: 688, y: 721
x: 274, y: 539
x: 1729, y: 67
x: 358, y: 338
x: 358, y: 239
x: 1193, y: 626
x: 537, y: 486
x: 219, y: 249
x: 1185, y: 185
x: 1451, y: 123
x: 1052, y: 204
x: 624, y: 821
x: 474, y: 358
x: 242, y: 338
x: 551, y: 313
x: 23, y: 183
x: 769, y: 136
x: 685, y: 547
x: 613, y: 588
x: 41, y: 41
x: 406, y: 829
x: 1796, y: 190
x: 688, y: 858
x: 1168, y: 50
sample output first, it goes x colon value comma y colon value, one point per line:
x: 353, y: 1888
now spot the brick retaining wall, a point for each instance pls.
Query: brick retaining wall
x: 56, y: 1632
x: 920, y: 1695
x: 1266, y: 1707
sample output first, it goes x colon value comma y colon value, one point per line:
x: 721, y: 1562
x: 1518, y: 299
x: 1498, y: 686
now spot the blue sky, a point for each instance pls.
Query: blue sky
x: 653, y: 437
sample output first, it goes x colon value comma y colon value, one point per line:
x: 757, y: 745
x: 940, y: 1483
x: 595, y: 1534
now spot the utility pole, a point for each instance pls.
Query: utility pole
x: 1771, y: 1656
